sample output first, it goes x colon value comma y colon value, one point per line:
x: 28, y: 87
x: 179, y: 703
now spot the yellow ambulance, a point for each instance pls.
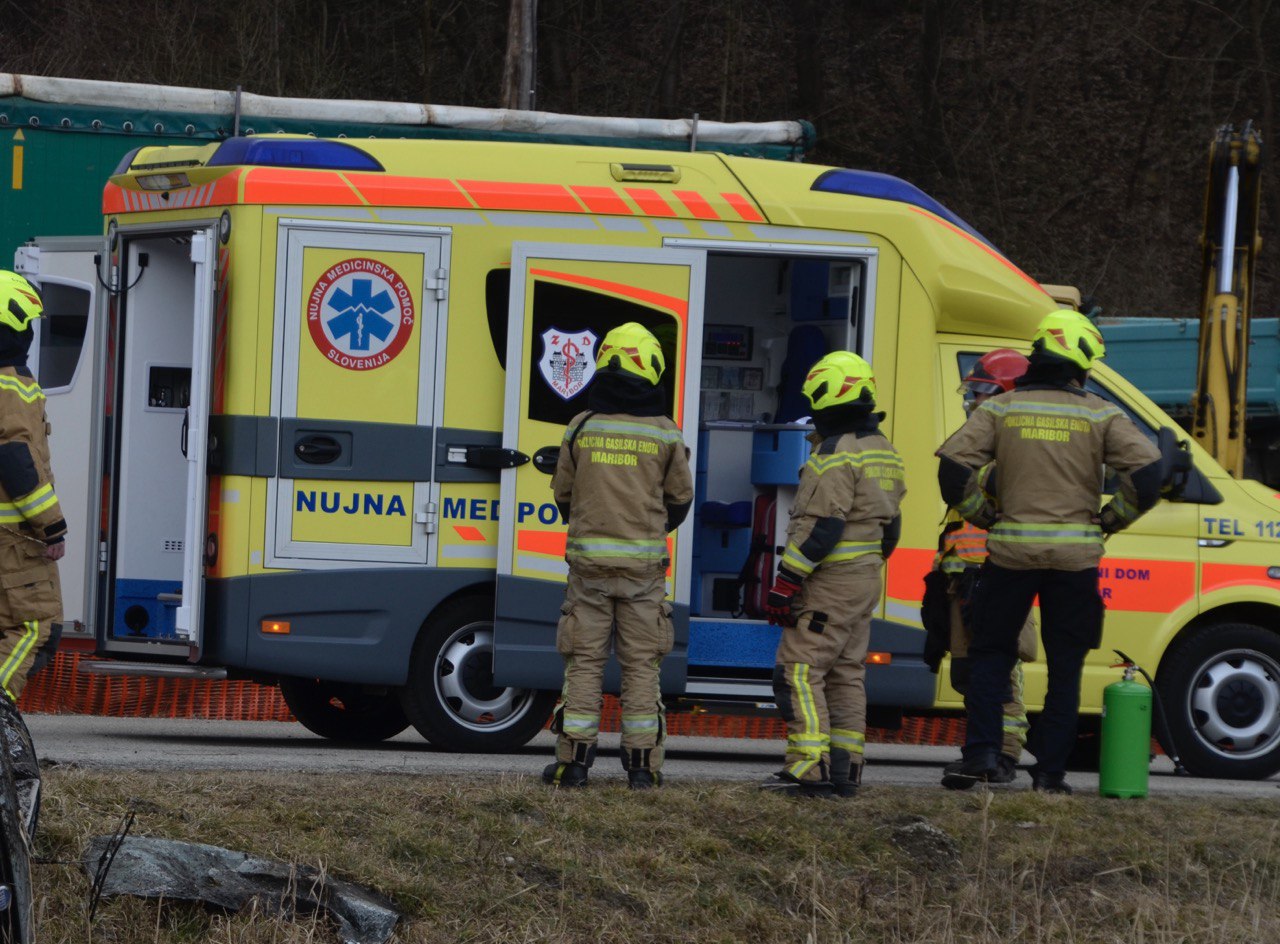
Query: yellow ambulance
x: 337, y: 371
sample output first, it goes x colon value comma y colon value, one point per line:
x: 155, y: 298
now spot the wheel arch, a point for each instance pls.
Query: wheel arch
x: 1263, y: 615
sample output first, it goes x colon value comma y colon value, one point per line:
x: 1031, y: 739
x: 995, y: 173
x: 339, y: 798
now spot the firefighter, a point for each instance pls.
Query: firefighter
x: 1049, y: 439
x: 844, y: 524
x: 622, y: 482
x: 32, y: 532
x: 962, y: 548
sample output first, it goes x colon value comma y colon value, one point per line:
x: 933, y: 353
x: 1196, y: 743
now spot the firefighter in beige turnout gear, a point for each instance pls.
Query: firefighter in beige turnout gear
x: 32, y: 532
x: 623, y: 483
x: 962, y: 549
x: 1050, y: 440
x: 844, y: 523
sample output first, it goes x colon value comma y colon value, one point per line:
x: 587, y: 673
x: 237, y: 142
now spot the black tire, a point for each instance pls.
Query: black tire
x: 450, y: 697
x: 1220, y: 686
x: 17, y: 922
x: 342, y: 711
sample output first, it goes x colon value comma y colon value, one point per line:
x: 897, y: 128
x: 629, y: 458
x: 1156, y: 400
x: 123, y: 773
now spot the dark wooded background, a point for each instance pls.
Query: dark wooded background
x: 1073, y: 133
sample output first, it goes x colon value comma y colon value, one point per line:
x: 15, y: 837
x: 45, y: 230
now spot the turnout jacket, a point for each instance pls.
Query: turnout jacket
x: 623, y: 482
x: 846, y: 507
x: 30, y: 516
x: 1050, y: 445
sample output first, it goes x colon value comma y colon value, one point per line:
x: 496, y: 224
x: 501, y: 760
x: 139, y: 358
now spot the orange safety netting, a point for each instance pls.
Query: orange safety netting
x: 60, y: 688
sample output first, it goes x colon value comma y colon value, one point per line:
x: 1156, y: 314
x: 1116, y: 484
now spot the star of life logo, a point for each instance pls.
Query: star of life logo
x: 360, y: 314
x: 568, y: 360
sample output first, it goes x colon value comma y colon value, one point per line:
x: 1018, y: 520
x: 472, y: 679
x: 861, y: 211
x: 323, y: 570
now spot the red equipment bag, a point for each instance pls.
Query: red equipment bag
x: 757, y: 572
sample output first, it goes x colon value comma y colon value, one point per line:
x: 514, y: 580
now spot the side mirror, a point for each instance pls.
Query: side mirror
x: 1175, y: 463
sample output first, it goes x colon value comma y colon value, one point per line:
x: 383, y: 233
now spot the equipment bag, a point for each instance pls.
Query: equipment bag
x: 935, y: 614
x: 757, y: 572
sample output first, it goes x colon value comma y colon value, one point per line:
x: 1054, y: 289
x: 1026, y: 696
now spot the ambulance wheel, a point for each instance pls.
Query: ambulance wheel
x: 450, y: 697
x: 341, y: 711
x: 1220, y: 687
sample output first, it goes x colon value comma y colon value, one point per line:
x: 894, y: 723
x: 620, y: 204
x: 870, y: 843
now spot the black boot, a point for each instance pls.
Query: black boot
x: 963, y: 774
x: 571, y: 773
x: 786, y: 782
x: 1043, y: 782
x: 639, y: 778
x: 846, y: 776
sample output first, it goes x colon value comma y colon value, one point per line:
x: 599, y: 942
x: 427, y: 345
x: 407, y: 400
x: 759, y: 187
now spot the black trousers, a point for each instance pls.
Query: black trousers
x: 1071, y: 612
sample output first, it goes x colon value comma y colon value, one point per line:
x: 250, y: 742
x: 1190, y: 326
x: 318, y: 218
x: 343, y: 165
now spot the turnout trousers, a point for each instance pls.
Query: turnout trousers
x: 1014, y: 721
x: 1071, y: 612
x: 625, y: 610
x: 820, y: 670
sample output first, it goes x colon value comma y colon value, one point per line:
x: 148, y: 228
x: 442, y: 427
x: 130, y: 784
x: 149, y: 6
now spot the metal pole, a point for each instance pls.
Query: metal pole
x: 528, y: 27
x: 1227, y: 253
x: 693, y: 133
x: 235, y: 127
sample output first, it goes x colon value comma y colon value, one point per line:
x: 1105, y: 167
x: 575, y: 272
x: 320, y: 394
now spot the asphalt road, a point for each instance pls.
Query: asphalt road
x: 164, y: 744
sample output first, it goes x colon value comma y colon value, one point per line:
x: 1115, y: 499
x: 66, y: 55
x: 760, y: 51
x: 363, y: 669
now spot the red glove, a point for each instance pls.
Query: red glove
x: 777, y: 606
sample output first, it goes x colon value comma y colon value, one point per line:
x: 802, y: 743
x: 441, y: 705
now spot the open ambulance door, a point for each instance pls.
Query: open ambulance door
x: 65, y: 358
x: 564, y: 300
x: 157, y: 332
x: 189, y: 620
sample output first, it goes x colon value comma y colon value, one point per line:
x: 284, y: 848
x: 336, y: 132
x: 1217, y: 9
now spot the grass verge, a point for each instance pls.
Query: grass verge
x: 507, y: 860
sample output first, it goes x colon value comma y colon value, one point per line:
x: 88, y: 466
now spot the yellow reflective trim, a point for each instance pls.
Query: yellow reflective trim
x: 19, y: 654
x: 28, y: 393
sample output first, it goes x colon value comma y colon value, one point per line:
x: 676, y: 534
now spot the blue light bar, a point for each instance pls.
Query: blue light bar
x: 312, y: 153
x: 867, y: 183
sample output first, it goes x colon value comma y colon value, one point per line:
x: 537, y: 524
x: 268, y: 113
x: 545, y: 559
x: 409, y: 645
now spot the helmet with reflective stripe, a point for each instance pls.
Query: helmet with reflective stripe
x: 20, y: 303
x: 839, y: 379
x: 632, y: 348
x: 995, y: 372
x: 1071, y: 336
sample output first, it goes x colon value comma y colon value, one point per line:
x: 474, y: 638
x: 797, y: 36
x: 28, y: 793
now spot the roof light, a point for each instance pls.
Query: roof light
x: 652, y: 173
x: 163, y: 181
x: 867, y: 183
x: 293, y: 152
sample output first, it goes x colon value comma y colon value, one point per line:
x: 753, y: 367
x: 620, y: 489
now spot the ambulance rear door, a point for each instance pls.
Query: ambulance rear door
x: 357, y: 314
x: 564, y: 300
x: 65, y: 360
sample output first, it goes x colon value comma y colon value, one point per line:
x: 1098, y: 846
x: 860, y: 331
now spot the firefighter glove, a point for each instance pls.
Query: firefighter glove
x: 1110, y: 521
x: 778, y: 605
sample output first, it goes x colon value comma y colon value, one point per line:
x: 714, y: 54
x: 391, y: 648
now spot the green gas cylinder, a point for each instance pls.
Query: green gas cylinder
x: 1125, y: 765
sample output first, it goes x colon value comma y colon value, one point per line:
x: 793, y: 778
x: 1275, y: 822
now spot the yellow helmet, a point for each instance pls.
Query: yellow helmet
x: 633, y: 348
x: 840, y: 378
x: 20, y: 304
x: 1071, y: 336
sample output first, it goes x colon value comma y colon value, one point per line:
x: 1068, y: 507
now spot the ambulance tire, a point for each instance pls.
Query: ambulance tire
x: 450, y: 697
x: 341, y: 711
x: 1220, y: 687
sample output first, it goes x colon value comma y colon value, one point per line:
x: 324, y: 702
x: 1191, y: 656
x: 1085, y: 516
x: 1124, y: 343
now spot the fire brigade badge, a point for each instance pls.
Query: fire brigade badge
x: 568, y: 361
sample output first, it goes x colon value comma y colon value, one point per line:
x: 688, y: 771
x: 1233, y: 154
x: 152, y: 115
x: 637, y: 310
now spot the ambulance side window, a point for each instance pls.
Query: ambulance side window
x: 565, y: 313
x: 497, y: 293
x: 62, y: 333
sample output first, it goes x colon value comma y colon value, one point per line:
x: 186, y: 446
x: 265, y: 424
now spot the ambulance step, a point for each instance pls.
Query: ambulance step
x: 155, y: 669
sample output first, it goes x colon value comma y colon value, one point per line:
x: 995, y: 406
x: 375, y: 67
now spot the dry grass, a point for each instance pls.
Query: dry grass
x: 484, y: 860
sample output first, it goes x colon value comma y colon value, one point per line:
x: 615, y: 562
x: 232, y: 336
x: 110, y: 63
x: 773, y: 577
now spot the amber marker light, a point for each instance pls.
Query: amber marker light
x: 275, y: 627
x: 879, y: 658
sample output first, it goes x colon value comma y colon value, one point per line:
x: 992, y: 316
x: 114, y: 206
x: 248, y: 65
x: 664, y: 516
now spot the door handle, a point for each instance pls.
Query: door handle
x: 317, y: 450
x: 494, y: 457
x: 546, y: 458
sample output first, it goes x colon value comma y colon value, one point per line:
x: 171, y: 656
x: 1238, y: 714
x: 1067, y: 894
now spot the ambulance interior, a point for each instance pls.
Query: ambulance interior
x: 766, y: 321
x: 145, y: 444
